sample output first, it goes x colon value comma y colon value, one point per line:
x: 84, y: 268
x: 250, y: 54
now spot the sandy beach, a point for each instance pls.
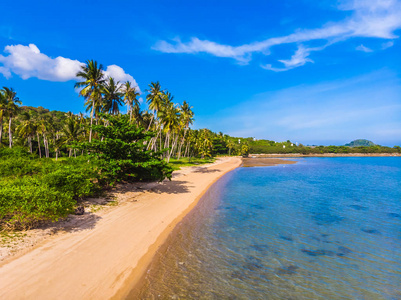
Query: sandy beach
x: 106, y: 260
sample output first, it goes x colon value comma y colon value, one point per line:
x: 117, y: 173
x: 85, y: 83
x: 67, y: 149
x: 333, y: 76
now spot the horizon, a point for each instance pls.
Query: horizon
x: 312, y: 73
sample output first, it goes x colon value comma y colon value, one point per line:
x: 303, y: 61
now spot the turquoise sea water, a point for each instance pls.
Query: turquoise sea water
x: 324, y: 228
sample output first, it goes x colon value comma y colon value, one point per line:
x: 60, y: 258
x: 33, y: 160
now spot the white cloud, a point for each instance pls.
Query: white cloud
x: 28, y: 62
x: 387, y: 45
x: 370, y: 18
x: 119, y: 74
x: 363, y: 48
x: 298, y: 59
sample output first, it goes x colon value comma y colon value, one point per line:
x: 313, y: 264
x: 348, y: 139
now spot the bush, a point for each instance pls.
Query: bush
x: 27, y: 201
x: 121, y: 154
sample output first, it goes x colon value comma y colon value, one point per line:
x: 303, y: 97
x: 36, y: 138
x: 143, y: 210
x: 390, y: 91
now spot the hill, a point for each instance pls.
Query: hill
x: 360, y: 143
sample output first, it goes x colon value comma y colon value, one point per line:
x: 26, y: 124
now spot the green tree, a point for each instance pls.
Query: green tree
x: 120, y: 154
x: 11, y: 101
x: 91, y: 88
x: 112, y: 98
x: 130, y: 98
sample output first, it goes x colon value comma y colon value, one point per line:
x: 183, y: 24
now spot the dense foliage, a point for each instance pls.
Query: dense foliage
x: 34, y: 190
x: 360, y: 143
x: 121, y: 155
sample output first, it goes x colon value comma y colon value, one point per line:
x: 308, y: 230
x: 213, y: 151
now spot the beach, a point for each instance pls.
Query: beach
x: 106, y: 260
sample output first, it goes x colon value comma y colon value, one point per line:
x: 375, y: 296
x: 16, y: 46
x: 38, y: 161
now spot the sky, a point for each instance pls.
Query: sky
x: 314, y: 72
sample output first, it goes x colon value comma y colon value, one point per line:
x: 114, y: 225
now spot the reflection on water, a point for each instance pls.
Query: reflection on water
x: 324, y: 228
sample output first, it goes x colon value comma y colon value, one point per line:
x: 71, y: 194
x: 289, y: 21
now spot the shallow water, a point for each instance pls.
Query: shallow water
x: 324, y: 228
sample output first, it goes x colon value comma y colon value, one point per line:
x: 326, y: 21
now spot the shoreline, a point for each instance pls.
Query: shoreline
x: 108, y: 260
x: 289, y: 155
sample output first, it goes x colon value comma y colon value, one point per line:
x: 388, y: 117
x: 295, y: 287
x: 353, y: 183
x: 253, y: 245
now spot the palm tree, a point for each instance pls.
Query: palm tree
x: 3, y: 112
x: 155, y: 99
x: 44, y: 126
x: 130, y: 98
x: 92, y: 87
x: 169, y: 116
x: 230, y: 145
x: 11, y: 101
x: 71, y: 132
x: 27, y: 129
x: 187, y: 118
x: 112, y: 96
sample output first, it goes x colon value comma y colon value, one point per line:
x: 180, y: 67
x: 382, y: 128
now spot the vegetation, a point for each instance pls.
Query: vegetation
x: 360, y: 143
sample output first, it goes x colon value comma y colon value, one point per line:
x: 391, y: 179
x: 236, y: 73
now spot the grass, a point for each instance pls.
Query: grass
x: 186, y: 162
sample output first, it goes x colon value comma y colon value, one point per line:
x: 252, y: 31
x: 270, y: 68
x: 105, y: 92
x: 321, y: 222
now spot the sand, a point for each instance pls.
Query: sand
x: 265, y: 162
x: 107, y: 256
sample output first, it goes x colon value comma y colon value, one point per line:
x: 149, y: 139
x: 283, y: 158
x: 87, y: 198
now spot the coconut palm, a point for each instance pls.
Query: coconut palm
x: 169, y: 117
x: 44, y: 127
x: 71, y: 132
x: 3, y: 112
x: 27, y: 129
x: 130, y: 98
x: 11, y: 101
x: 155, y: 99
x: 92, y: 86
x: 112, y: 96
x: 187, y: 118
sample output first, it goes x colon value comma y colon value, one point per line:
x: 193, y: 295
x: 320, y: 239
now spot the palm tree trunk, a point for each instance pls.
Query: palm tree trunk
x: 10, y: 136
x: 1, y: 128
x: 46, y: 145
x: 172, y: 148
x: 186, y: 149
x: 30, y: 143
x: 150, y: 122
x: 90, y: 131
x: 56, y: 155
x: 182, y: 143
x: 40, y: 151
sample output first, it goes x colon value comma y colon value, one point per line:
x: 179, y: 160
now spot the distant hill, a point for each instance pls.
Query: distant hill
x: 359, y: 143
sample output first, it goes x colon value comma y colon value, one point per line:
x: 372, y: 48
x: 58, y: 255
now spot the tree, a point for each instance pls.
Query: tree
x: 187, y: 118
x: 112, y: 96
x: 71, y: 132
x: 120, y: 154
x: 154, y: 99
x: 3, y: 112
x: 11, y: 101
x: 130, y: 98
x: 92, y: 86
x: 27, y: 129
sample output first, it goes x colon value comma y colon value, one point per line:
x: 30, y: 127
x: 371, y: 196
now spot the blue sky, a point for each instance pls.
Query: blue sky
x: 315, y: 72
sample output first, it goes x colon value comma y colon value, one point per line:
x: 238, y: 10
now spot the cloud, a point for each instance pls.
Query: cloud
x: 369, y: 19
x: 119, y: 74
x: 387, y: 45
x: 297, y: 60
x: 363, y: 48
x: 28, y: 62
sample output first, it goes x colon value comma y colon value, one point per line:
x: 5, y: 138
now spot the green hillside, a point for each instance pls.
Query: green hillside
x: 360, y: 143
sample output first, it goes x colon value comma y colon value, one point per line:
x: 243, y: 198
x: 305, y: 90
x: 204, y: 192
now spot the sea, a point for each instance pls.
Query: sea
x: 323, y: 228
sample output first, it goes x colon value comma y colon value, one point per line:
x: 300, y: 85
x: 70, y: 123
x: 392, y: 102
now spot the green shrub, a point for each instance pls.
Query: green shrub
x: 27, y: 201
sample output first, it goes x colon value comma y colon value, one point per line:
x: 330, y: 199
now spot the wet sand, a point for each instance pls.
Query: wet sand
x: 106, y: 261
x: 265, y: 162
